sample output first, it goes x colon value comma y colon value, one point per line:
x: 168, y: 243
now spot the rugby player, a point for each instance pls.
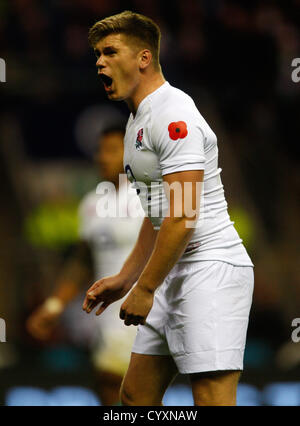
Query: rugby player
x: 194, y: 278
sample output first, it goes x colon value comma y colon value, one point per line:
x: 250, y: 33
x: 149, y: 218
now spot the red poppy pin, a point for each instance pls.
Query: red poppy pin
x: 177, y: 130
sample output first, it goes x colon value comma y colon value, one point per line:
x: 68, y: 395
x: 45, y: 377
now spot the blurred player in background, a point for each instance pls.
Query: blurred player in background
x: 105, y: 243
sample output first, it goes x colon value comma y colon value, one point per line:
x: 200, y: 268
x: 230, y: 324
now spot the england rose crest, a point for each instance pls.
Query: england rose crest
x: 139, y: 138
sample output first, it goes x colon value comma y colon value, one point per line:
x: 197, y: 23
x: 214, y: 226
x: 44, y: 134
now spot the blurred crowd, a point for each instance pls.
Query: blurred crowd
x: 234, y: 58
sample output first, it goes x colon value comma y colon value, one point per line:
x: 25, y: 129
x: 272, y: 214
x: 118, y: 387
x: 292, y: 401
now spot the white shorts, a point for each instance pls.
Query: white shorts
x: 200, y: 317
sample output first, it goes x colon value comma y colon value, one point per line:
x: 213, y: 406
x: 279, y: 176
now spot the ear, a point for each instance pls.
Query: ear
x: 145, y: 58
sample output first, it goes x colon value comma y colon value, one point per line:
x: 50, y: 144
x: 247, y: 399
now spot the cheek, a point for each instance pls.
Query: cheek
x: 124, y: 79
x: 128, y: 74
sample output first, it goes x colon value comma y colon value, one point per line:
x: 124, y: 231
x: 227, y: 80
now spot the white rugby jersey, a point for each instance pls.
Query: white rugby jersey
x: 168, y: 135
x: 111, y: 239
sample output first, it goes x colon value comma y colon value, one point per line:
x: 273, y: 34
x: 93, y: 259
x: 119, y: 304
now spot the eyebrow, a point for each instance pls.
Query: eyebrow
x: 109, y: 49
x: 106, y: 49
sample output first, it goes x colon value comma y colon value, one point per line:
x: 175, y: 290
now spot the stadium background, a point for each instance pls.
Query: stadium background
x: 234, y: 58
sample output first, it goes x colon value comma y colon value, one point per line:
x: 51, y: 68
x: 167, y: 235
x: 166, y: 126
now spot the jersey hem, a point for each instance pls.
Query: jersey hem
x: 216, y: 259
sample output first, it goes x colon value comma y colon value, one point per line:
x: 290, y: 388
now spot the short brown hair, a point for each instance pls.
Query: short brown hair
x: 133, y: 25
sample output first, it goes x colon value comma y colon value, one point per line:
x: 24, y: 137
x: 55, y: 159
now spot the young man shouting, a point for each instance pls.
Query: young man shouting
x: 194, y: 278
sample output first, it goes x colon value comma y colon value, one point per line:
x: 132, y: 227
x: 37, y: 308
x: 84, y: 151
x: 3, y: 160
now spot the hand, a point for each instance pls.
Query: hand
x: 107, y: 290
x: 42, y: 322
x: 137, y: 306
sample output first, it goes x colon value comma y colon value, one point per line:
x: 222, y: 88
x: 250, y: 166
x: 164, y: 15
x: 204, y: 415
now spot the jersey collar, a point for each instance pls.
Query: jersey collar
x: 150, y: 96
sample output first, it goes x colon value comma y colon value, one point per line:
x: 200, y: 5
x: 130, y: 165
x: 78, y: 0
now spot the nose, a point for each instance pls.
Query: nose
x: 99, y: 63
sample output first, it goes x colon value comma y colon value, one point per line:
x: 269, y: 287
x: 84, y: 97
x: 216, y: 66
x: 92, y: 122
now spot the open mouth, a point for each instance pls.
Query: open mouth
x: 107, y: 81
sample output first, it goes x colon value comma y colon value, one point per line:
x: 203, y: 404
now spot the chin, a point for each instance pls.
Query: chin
x: 115, y: 97
x: 112, y: 96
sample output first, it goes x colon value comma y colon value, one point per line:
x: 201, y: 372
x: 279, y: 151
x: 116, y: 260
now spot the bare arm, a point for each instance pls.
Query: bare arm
x: 140, y: 254
x: 174, y: 234
x: 172, y: 239
x: 110, y: 289
x: 76, y: 271
x: 153, y: 257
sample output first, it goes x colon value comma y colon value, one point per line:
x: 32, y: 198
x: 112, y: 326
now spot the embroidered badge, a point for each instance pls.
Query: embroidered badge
x: 139, y: 138
x: 177, y: 130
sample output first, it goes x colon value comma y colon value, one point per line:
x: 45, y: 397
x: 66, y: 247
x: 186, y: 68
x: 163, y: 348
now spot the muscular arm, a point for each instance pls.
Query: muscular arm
x: 153, y: 256
x: 174, y: 233
x: 140, y: 254
x: 109, y: 289
x: 76, y: 272
x: 155, y: 253
x: 173, y: 237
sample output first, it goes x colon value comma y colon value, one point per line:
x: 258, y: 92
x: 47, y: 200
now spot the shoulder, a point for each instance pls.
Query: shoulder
x: 173, y: 109
x: 172, y: 97
x: 172, y: 104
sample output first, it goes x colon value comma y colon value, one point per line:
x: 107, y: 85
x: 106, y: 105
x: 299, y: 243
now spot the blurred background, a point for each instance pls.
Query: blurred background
x: 234, y: 58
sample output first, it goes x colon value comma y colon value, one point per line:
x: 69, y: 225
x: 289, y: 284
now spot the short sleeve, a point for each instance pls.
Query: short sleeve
x: 178, y: 140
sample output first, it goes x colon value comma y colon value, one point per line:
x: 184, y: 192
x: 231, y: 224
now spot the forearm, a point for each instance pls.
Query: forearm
x: 76, y: 272
x: 172, y: 239
x: 140, y: 254
x: 67, y: 288
x: 183, y: 190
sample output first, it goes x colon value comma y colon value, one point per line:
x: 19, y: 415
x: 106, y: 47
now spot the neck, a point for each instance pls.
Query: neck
x: 147, y: 85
